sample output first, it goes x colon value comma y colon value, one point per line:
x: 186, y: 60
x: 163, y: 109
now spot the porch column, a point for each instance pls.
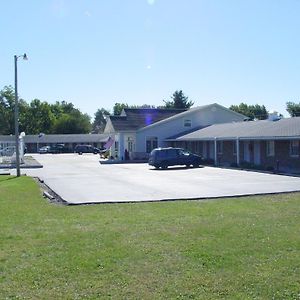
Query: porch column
x: 121, y: 146
x: 216, y: 152
x: 237, y: 151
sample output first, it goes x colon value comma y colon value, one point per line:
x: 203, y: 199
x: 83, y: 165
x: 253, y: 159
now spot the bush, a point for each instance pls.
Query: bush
x: 208, y: 161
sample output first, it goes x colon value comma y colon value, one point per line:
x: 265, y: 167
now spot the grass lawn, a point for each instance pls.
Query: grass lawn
x: 243, y: 248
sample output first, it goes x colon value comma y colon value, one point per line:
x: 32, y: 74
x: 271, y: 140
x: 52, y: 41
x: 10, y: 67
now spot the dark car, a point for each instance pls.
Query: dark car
x: 86, y: 149
x: 58, y: 148
x: 165, y: 157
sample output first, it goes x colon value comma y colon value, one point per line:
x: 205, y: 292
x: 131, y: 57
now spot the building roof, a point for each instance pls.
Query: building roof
x: 186, y: 113
x: 136, y: 118
x: 265, y: 129
x: 59, y: 138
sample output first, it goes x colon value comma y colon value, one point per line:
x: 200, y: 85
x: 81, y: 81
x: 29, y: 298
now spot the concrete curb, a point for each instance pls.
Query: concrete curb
x: 118, y: 162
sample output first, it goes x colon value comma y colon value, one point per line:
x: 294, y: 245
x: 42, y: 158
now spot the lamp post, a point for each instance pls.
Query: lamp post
x: 24, y: 56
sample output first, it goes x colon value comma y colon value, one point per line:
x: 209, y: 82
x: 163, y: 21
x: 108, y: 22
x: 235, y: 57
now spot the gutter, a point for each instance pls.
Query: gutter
x: 234, y: 138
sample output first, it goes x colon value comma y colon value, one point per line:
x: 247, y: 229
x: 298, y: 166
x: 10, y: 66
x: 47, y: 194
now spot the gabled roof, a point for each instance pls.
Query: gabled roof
x: 265, y: 129
x: 192, y: 110
x: 136, y: 118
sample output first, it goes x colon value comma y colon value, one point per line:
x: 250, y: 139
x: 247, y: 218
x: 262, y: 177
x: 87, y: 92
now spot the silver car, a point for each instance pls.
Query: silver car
x: 45, y: 149
x: 8, y: 151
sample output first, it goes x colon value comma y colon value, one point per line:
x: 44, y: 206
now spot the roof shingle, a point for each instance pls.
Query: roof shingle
x: 136, y: 118
x: 283, y: 128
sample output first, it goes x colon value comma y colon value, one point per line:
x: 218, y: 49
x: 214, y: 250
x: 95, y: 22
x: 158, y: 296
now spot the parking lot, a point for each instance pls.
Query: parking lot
x: 80, y: 179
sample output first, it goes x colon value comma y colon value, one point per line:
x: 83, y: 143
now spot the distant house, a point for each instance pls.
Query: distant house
x: 271, y: 144
x: 138, y: 131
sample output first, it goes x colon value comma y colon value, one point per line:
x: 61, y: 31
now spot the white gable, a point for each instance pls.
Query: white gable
x: 186, y: 121
x: 109, y: 126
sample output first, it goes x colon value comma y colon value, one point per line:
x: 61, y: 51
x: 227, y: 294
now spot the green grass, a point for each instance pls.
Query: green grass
x: 243, y: 248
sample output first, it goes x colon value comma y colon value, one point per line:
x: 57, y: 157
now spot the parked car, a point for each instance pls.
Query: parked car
x: 45, y: 149
x: 86, y: 149
x: 165, y: 157
x: 59, y: 148
x: 8, y: 151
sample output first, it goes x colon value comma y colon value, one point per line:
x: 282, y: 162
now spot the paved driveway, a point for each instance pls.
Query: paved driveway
x: 82, y: 179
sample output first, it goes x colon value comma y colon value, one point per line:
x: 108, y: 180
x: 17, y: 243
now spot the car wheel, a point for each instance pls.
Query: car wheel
x: 164, y: 165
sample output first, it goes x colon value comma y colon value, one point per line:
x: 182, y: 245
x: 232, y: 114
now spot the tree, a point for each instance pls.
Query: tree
x: 37, y: 118
x: 251, y: 111
x: 179, y: 100
x: 40, y: 116
x: 100, y: 120
x: 118, y: 107
x: 142, y: 106
x: 7, y: 104
x: 7, y: 108
x: 293, y: 109
x: 74, y: 122
x: 69, y: 120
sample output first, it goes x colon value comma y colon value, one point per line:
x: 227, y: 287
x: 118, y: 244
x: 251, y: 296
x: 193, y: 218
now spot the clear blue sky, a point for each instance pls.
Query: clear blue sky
x: 94, y: 53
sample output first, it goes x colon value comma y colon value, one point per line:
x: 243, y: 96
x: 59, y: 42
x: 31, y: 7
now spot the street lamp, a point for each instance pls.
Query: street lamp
x: 24, y: 56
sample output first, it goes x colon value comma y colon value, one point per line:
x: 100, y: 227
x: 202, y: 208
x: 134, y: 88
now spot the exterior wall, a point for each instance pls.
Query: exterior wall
x: 258, y: 158
x: 281, y: 161
x: 227, y: 157
x: 127, y: 142
x: 213, y: 114
x: 124, y: 141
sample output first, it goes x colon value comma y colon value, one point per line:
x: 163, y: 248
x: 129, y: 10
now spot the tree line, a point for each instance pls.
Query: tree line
x: 62, y: 117
x: 41, y: 117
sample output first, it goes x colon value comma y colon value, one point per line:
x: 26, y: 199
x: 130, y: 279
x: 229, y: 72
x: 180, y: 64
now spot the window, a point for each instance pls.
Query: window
x: 294, y: 148
x: 270, y: 148
x: 187, y: 123
x: 184, y: 152
x: 171, y: 153
x: 151, y: 143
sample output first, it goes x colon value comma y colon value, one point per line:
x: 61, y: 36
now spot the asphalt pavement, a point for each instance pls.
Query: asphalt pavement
x: 81, y: 179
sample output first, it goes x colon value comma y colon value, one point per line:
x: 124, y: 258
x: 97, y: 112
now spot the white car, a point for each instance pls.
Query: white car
x: 45, y: 149
x: 8, y: 151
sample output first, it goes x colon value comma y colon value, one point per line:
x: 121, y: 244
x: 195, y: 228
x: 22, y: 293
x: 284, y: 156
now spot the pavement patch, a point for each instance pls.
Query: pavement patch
x: 81, y: 179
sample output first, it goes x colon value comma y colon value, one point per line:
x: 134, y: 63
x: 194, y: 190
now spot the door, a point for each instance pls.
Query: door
x: 257, y: 153
x: 247, y: 151
x: 211, y: 147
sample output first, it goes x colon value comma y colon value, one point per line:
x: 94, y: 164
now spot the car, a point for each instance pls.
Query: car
x: 86, y: 149
x: 8, y: 151
x: 45, y: 149
x: 59, y: 148
x: 165, y: 157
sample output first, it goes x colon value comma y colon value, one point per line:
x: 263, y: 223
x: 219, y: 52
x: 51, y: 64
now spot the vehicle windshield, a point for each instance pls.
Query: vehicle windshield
x: 184, y: 152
